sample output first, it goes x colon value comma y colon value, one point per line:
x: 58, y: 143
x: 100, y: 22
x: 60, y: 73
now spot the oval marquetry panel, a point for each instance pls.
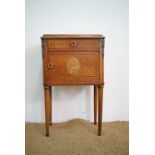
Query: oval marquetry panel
x: 73, y: 65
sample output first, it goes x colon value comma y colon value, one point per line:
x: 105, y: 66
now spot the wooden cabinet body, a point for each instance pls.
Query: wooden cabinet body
x: 73, y: 60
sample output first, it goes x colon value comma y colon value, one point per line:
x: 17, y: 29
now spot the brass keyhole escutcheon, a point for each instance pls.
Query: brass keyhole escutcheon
x: 73, y: 43
x: 50, y: 66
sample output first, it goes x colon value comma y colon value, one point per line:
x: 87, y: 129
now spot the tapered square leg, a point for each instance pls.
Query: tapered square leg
x: 100, y: 109
x: 50, y: 107
x: 95, y: 103
x: 47, y: 108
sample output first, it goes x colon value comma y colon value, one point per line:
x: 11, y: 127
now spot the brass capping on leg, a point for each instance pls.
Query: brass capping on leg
x: 100, y: 86
x: 46, y: 87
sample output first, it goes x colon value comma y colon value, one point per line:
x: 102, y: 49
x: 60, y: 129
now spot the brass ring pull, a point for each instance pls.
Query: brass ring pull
x: 73, y: 43
x: 50, y: 65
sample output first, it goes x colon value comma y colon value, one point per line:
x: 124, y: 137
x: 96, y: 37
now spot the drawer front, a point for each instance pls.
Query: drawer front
x: 74, y: 44
x: 71, y: 68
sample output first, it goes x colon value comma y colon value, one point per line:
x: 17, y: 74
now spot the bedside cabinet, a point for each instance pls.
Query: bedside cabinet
x: 72, y: 60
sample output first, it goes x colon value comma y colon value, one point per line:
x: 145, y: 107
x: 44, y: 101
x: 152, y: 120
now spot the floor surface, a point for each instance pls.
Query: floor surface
x: 78, y: 137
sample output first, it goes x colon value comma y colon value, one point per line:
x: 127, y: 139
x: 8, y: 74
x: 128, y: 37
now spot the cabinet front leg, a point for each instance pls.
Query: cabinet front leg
x: 50, y: 107
x: 47, y: 108
x: 100, y: 110
x: 95, y: 103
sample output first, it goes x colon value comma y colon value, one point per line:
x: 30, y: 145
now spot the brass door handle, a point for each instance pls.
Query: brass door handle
x: 50, y: 66
x: 73, y: 43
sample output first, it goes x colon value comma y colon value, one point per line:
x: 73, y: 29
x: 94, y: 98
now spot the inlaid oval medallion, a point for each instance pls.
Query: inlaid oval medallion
x: 73, y: 65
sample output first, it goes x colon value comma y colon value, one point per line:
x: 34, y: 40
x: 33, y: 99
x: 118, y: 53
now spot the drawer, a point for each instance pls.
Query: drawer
x: 76, y: 44
x: 71, y: 68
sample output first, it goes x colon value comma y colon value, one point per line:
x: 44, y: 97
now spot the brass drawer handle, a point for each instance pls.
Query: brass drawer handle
x: 50, y: 65
x: 73, y: 43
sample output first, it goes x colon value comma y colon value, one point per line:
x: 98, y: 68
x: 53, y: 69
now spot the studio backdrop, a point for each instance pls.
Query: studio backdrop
x: 106, y: 17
